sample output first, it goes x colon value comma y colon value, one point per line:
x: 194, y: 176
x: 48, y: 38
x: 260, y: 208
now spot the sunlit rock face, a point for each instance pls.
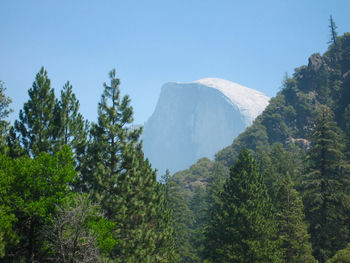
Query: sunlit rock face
x: 197, y: 119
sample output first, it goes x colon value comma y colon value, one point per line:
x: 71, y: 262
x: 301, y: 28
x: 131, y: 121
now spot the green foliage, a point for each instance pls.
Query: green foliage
x: 4, y: 113
x: 255, y: 137
x: 71, y: 129
x: 36, y: 120
x: 347, y: 130
x: 276, y: 163
x: 292, y: 229
x: 32, y: 189
x: 333, y: 31
x: 189, y: 204
x: 7, y: 217
x: 198, y: 206
x: 69, y: 123
x: 342, y: 256
x: 276, y: 115
x: 142, y: 216
x: 103, y: 229
x: 112, y: 141
x: 289, y: 116
x: 124, y: 184
x: 79, y: 233
x: 182, y: 219
x: 242, y: 226
x: 144, y: 221
x: 289, y: 120
x: 325, y: 185
x: 198, y: 171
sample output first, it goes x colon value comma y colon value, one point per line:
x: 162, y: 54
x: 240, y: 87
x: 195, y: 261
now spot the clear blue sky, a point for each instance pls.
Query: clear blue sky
x: 253, y: 43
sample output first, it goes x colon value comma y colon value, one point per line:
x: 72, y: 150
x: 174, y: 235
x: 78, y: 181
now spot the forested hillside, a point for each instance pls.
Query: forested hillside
x: 301, y: 146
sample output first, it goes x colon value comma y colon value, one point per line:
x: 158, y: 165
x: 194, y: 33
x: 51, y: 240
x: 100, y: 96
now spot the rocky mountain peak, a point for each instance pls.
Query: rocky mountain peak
x: 196, y: 119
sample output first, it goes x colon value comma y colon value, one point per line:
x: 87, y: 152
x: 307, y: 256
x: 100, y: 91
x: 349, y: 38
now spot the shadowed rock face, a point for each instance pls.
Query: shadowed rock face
x: 195, y: 120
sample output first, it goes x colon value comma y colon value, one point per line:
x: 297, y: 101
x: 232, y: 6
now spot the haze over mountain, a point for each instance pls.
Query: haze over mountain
x: 196, y: 119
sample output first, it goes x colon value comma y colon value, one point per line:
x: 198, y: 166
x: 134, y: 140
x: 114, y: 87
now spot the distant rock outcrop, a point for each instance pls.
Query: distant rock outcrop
x: 196, y: 119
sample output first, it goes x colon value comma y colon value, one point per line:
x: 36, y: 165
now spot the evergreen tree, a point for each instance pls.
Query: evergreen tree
x: 4, y: 113
x: 333, y: 29
x: 14, y: 148
x: 342, y: 256
x: 292, y: 229
x: 71, y: 129
x: 277, y: 167
x: 325, y: 185
x: 198, y: 205
x: 144, y: 226
x: 182, y: 219
x: 112, y: 139
x: 70, y: 126
x: 219, y: 176
x: 347, y: 131
x: 36, y: 120
x: 242, y: 225
x: 125, y: 185
x: 275, y: 164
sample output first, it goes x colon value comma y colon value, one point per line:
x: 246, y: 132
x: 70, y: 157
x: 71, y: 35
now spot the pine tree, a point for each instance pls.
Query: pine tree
x: 242, y: 224
x: 182, y: 219
x: 292, y: 229
x: 333, y: 28
x: 14, y: 148
x: 70, y: 126
x: 36, y: 120
x: 324, y: 185
x: 144, y: 226
x: 219, y: 176
x: 198, y: 206
x: 342, y: 256
x: 123, y: 182
x: 4, y: 113
x: 71, y: 129
x: 112, y: 138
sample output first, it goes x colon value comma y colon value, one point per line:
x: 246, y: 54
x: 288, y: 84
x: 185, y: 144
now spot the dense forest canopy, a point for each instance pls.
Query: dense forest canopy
x: 78, y: 191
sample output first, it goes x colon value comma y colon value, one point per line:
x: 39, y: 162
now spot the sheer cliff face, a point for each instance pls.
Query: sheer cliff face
x: 195, y: 120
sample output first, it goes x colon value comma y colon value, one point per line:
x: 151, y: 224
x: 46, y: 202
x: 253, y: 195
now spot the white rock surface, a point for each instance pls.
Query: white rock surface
x: 197, y: 119
x: 250, y: 102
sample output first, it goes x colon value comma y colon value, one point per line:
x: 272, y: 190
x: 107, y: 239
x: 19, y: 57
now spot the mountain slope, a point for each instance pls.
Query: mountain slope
x: 289, y: 116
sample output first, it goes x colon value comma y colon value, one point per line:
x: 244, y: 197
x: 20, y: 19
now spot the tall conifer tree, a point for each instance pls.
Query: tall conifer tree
x: 242, y: 225
x: 71, y: 129
x: 111, y: 139
x: 181, y: 219
x: 325, y: 186
x: 70, y: 126
x: 292, y: 229
x: 333, y: 31
x: 123, y: 182
x: 36, y: 120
